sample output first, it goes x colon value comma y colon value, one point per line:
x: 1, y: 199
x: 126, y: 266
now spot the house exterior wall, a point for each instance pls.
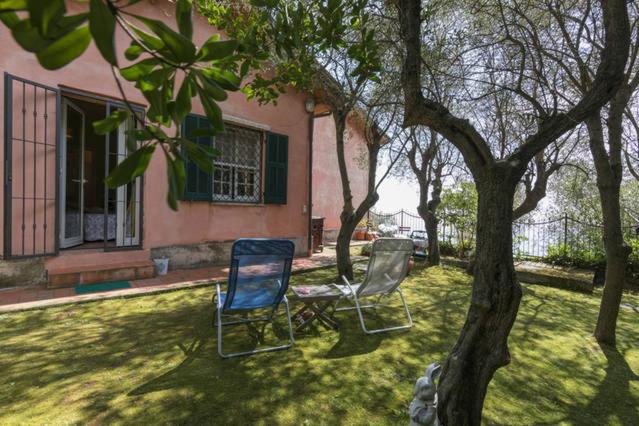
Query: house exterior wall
x: 196, y: 222
x: 327, y: 184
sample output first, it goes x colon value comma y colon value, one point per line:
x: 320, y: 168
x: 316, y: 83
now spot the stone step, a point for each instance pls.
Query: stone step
x: 73, y: 276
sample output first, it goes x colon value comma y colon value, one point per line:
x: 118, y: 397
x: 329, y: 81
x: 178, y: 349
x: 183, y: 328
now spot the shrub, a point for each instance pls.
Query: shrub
x: 366, y: 249
x: 563, y: 255
x: 447, y: 248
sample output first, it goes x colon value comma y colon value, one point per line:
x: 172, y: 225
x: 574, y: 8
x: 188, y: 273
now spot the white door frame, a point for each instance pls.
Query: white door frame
x: 76, y: 240
x: 121, y: 212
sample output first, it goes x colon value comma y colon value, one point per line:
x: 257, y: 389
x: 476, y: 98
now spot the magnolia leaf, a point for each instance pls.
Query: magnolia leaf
x: 225, y: 78
x: 28, y: 36
x: 149, y: 40
x: 133, y: 52
x: 211, y: 87
x: 132, y: 166
x: 66, y: 24
x: 65, y: 49
x: 212, y: 109
x: 214, y: 49
x: 102, y: 127
x: 181, y: 47
x: 183, y: 99
x: 201, y: 155
x: 102, y: 25
x: 176, y: 175
x: 184, y: 17
x: 43, y: 13
x: 139, y: 69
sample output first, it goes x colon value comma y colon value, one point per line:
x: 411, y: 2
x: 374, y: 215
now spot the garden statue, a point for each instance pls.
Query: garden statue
x: 423, y: 408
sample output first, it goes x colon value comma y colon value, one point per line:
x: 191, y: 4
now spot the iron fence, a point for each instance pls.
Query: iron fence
x: 531, y: 239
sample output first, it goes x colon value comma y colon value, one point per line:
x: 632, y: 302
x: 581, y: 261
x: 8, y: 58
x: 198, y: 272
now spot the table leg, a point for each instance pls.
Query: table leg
x: 322, y: 317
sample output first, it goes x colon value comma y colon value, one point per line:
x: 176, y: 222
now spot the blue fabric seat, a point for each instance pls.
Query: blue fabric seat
x: 258, y: 279
x: 253, y: 296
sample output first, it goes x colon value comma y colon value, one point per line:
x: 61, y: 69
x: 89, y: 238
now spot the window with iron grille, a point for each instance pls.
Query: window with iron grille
x: 236, y: 176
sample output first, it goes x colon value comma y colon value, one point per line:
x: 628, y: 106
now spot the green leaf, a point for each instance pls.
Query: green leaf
x: 133, y: 52
x: 181, y: 47
x: 225, y: 78
x: 132, y: 166
x: 102, y: 25
x: 139, y: 69
x: 214, y: 49
x: 176, y: 175
x: 183, y: 99
x: 28, y: 36
x: 43, y: 13
x: 149, y: 40
x: 211, y: 87
x: 212, y: 109
x: 184, y: 17
x: 12, y: 5
x: 202, y: 156
x: 66, y: 24
x: 9, y: 19
x: 244, y: 68
x: 65, y: 49
x: 140, y: 134
x: 102, y: 127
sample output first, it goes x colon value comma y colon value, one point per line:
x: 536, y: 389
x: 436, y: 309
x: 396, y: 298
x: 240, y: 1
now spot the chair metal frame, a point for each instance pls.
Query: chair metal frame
x: 237, y: 320
x: 354, y: 297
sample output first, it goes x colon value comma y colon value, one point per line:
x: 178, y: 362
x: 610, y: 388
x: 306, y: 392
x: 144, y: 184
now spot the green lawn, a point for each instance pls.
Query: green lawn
x: 152, y: 360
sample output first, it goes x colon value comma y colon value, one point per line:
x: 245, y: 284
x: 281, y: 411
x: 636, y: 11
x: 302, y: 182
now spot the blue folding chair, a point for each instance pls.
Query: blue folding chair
x: 258, y: 279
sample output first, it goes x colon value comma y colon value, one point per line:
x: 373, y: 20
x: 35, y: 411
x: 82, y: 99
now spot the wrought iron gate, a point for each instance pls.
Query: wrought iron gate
x: 32, y: 160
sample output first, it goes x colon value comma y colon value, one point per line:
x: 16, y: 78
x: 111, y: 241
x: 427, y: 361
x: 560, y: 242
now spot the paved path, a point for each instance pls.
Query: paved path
x: 18, y: 299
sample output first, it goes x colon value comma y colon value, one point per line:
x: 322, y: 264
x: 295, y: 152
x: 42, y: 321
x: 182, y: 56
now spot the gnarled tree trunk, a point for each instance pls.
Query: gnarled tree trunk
x: 609, y: 175
x: 432, y: 221
x: 350, y: 215
x: 482, y: 346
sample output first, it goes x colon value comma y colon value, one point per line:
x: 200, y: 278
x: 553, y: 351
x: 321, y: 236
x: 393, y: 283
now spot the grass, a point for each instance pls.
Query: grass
x: 152, y: 360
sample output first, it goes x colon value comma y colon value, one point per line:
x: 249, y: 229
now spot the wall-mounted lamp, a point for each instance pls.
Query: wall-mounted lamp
x: 309, y: 105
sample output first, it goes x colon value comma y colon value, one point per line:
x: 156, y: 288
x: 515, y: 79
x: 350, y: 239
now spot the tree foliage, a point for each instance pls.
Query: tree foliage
x: 163, y: 64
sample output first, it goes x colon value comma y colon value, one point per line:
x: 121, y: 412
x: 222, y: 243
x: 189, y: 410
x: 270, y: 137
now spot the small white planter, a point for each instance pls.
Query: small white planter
x: 161, y: 265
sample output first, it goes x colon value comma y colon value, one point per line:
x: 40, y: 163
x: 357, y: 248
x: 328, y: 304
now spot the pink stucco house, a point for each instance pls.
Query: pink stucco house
x: 62, y: 226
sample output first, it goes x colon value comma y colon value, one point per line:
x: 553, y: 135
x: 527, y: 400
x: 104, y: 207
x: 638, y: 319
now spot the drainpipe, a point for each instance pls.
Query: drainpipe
x: 311, y: 128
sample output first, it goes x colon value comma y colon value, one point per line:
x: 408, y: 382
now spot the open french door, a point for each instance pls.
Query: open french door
x: 128, y: 198
x: 72, y: 175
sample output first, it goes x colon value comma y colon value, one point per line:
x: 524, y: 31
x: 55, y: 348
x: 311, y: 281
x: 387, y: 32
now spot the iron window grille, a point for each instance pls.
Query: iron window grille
x: 237, y: 173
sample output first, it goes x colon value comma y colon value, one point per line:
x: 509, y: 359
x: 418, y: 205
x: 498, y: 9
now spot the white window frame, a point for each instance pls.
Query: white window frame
x: 236, y: 166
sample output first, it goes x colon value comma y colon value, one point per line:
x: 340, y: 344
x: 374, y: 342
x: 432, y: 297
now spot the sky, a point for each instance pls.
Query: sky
x: 396, y: 194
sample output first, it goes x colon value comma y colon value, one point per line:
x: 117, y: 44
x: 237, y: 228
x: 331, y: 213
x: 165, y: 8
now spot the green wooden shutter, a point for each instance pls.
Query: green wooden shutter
x: 198, y: 182
x: 276, y: 170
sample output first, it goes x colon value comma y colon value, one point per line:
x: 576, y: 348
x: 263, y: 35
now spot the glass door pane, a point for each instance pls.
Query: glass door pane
x: 127, y: 197
x: 72, y: 176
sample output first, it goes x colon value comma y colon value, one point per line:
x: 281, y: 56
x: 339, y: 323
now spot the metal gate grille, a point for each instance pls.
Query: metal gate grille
x: 31, y: 168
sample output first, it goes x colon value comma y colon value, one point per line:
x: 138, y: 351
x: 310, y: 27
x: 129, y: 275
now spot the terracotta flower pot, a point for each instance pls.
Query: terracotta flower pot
x: 411, y: 264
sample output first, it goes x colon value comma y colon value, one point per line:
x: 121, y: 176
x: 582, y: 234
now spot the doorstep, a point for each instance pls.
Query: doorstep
x: 72, y: 276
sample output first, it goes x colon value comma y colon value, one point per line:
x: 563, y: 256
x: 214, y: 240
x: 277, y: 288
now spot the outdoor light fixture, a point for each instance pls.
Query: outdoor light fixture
x: 309, y: 105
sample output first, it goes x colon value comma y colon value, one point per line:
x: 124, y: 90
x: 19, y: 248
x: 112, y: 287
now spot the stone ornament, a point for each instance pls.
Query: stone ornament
x: 423, y: 408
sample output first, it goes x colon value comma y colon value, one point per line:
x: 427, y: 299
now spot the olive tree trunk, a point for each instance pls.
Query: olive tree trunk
x: 351, y: 216
x: 608, y: 164
x: 482, y: 346
x: 432, y: 222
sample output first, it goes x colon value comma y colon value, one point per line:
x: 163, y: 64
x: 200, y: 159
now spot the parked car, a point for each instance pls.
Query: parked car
x: 420, y: 242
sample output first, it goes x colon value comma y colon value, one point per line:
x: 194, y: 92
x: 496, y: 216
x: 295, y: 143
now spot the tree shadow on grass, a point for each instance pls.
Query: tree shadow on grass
x: 614, y: 397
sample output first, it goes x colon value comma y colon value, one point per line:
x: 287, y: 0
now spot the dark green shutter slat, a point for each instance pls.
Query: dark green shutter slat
x: 198, y: 182
x: 276, y: 169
